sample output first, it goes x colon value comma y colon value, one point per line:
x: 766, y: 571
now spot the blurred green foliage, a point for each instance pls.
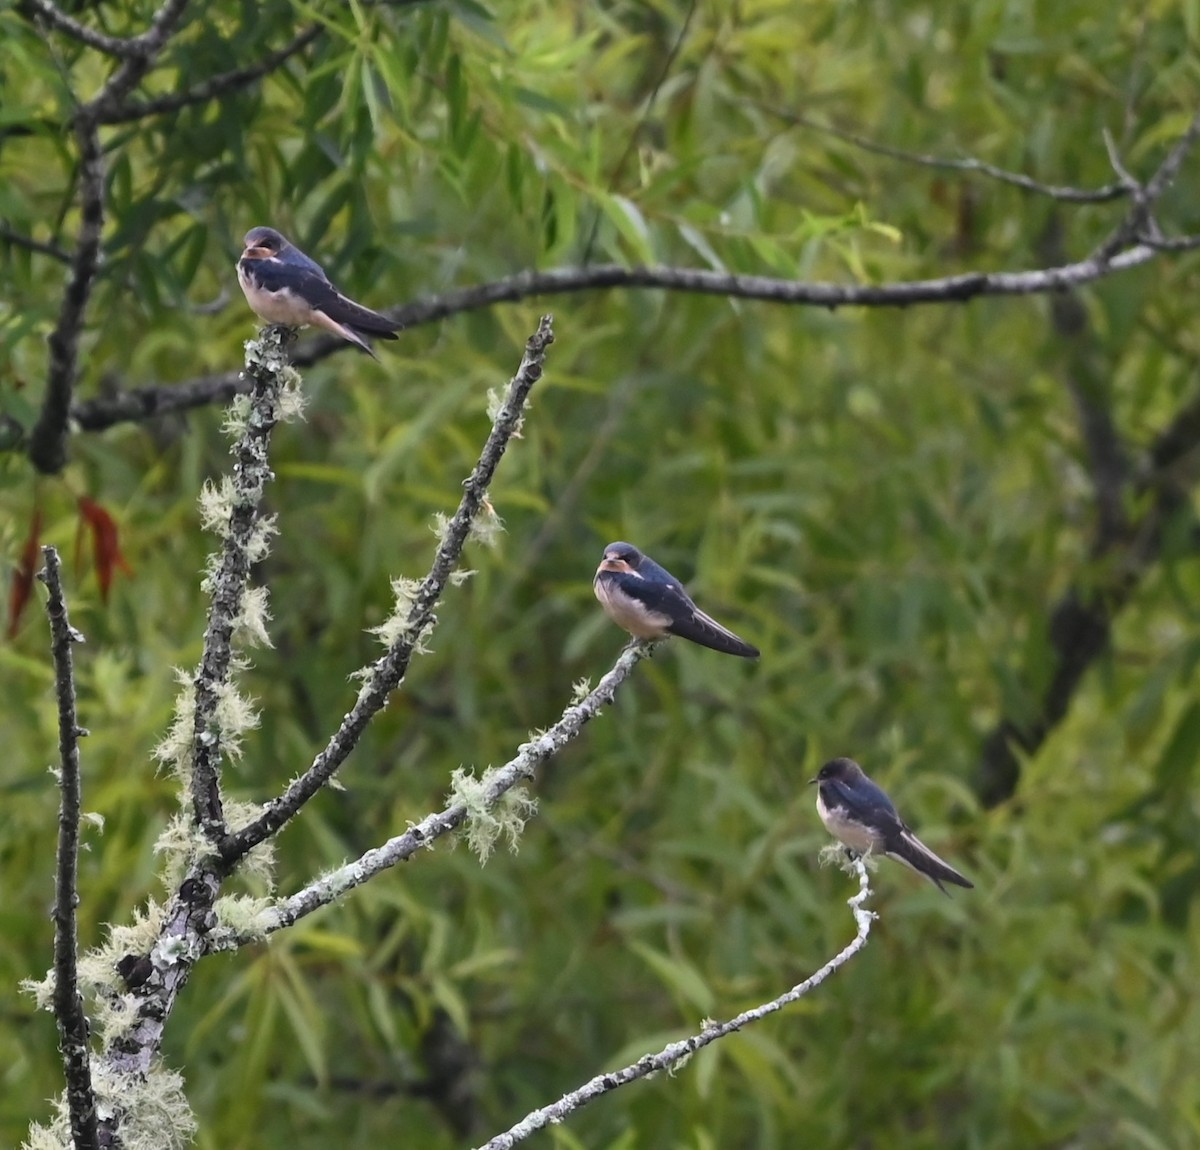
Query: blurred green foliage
x: 887, y: 502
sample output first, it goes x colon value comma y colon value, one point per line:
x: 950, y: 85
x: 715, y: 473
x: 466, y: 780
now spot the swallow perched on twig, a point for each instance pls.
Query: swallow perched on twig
x: 282, y: 285
x: 859, y: 814
x: 650, y: 603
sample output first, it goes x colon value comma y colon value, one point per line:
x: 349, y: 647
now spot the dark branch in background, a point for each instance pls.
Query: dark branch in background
x: 144, y: 403
x: 61, y: 22
x: 73, y: 1030
x: 266, y: 363
x: 387, y: 672
x: 210, y: 89
x: 1102, y: 195
x: 424, y: 834
x: 48, y: 441
x: 673, y: 1055
x: 19, y: 240
x: 1080, y: 623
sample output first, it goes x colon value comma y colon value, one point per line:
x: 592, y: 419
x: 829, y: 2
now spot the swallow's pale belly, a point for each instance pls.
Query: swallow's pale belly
x: 628, y: 613
x: 282, y: 306
x: 845, y: 829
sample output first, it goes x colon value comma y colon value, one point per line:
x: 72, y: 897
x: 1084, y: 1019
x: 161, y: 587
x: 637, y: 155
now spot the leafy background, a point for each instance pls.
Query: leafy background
x: 888, y: 502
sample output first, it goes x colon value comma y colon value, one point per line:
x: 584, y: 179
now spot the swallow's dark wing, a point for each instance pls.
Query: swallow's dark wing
x: 346, y: 311
x: 909, y: 849
x: 306, y: 281
x: 661, y: 593
x: 864, y: 802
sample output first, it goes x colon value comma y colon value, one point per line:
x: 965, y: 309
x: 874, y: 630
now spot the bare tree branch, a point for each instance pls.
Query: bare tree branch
x: 20, y: 240
x: 73, y: 1028
x: 387, y: 672
x: 57, y: 19
x: 48, y: 441
x: 1102, y: 195
x: 674, y: 1054
x: 1140, y: 219
x: 138, y: 404
x: 218, y: 86
x: 1079, y: 625
x: 424, y: 834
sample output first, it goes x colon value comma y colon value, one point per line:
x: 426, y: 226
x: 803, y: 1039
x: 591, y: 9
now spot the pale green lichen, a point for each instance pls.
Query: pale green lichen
x: 397, y: 627
x: 250, y: 623
x: 215, y: 503
x: 175, y: 750
x: 835, y: 854
x: 580, y: 690
x: 486, y: 821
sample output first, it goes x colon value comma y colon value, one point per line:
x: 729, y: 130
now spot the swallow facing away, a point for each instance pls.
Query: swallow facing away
x: 857, y: 812
x: 282, y: 285
x: 650, y: 603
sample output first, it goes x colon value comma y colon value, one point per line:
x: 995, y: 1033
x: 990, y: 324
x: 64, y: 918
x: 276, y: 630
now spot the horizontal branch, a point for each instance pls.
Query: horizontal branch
x: 425, y: 833
x: 674, y: 1054
x: 138, y: 404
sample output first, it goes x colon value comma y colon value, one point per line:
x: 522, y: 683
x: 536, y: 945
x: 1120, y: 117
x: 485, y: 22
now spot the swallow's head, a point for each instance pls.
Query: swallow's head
x: 264, y: 244
x: 621, y: 559
x: 844, y: 770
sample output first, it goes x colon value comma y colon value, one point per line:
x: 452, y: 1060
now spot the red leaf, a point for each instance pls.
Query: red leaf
x: 22, y: 580
x: 106, y: 544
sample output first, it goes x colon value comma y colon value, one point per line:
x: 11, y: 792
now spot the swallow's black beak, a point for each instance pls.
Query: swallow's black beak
x: 814, y: 779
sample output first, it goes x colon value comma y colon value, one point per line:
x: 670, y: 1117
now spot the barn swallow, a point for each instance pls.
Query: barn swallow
x: 282, y: 285
x: 857, y: 812
x: 650, y: 603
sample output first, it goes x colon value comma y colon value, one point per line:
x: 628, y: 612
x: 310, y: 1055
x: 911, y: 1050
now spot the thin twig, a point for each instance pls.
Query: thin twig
x: 266, y: 366
x: 1066, y: 194
x: 675, y: 1054
x: 20, y: 240
x: 73, y: 1029
x: 424, y: 834
x: 387, y: 672
x: 210, y: 89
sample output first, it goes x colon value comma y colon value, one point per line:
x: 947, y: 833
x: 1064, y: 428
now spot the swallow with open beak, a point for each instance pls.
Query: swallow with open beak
x: 650, y: 603
x: 282, y: 285
x: 860, y: 815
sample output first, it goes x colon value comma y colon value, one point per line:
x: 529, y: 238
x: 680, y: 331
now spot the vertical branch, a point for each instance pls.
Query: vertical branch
x: 267, y: 367
x: 68, y: 1005
x: 48, y: 440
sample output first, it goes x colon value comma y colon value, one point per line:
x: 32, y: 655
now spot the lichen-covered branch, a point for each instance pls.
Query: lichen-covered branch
x: 268, y: 370
x: 491, y: 789
x: 73, y: 1030
x: 386, y: 674
x: 674, y: 1054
